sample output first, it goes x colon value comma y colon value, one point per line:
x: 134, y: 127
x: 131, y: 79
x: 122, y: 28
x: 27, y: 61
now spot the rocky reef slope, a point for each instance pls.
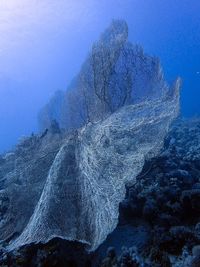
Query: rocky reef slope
x: 158, y: 222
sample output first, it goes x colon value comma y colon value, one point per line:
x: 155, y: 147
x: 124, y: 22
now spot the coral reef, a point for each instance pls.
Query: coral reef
x: 167, y: 194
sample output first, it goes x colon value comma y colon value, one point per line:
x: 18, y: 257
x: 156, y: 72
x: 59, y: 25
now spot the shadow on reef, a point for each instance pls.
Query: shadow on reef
x: 159, y: 224
x: 56, y: 253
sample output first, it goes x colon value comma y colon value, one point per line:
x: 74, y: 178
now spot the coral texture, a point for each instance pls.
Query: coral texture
x: 70, y: 185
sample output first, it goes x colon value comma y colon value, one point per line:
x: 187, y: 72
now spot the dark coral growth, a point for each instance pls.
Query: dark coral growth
x: 56, y: 253
x: 167, y: 193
